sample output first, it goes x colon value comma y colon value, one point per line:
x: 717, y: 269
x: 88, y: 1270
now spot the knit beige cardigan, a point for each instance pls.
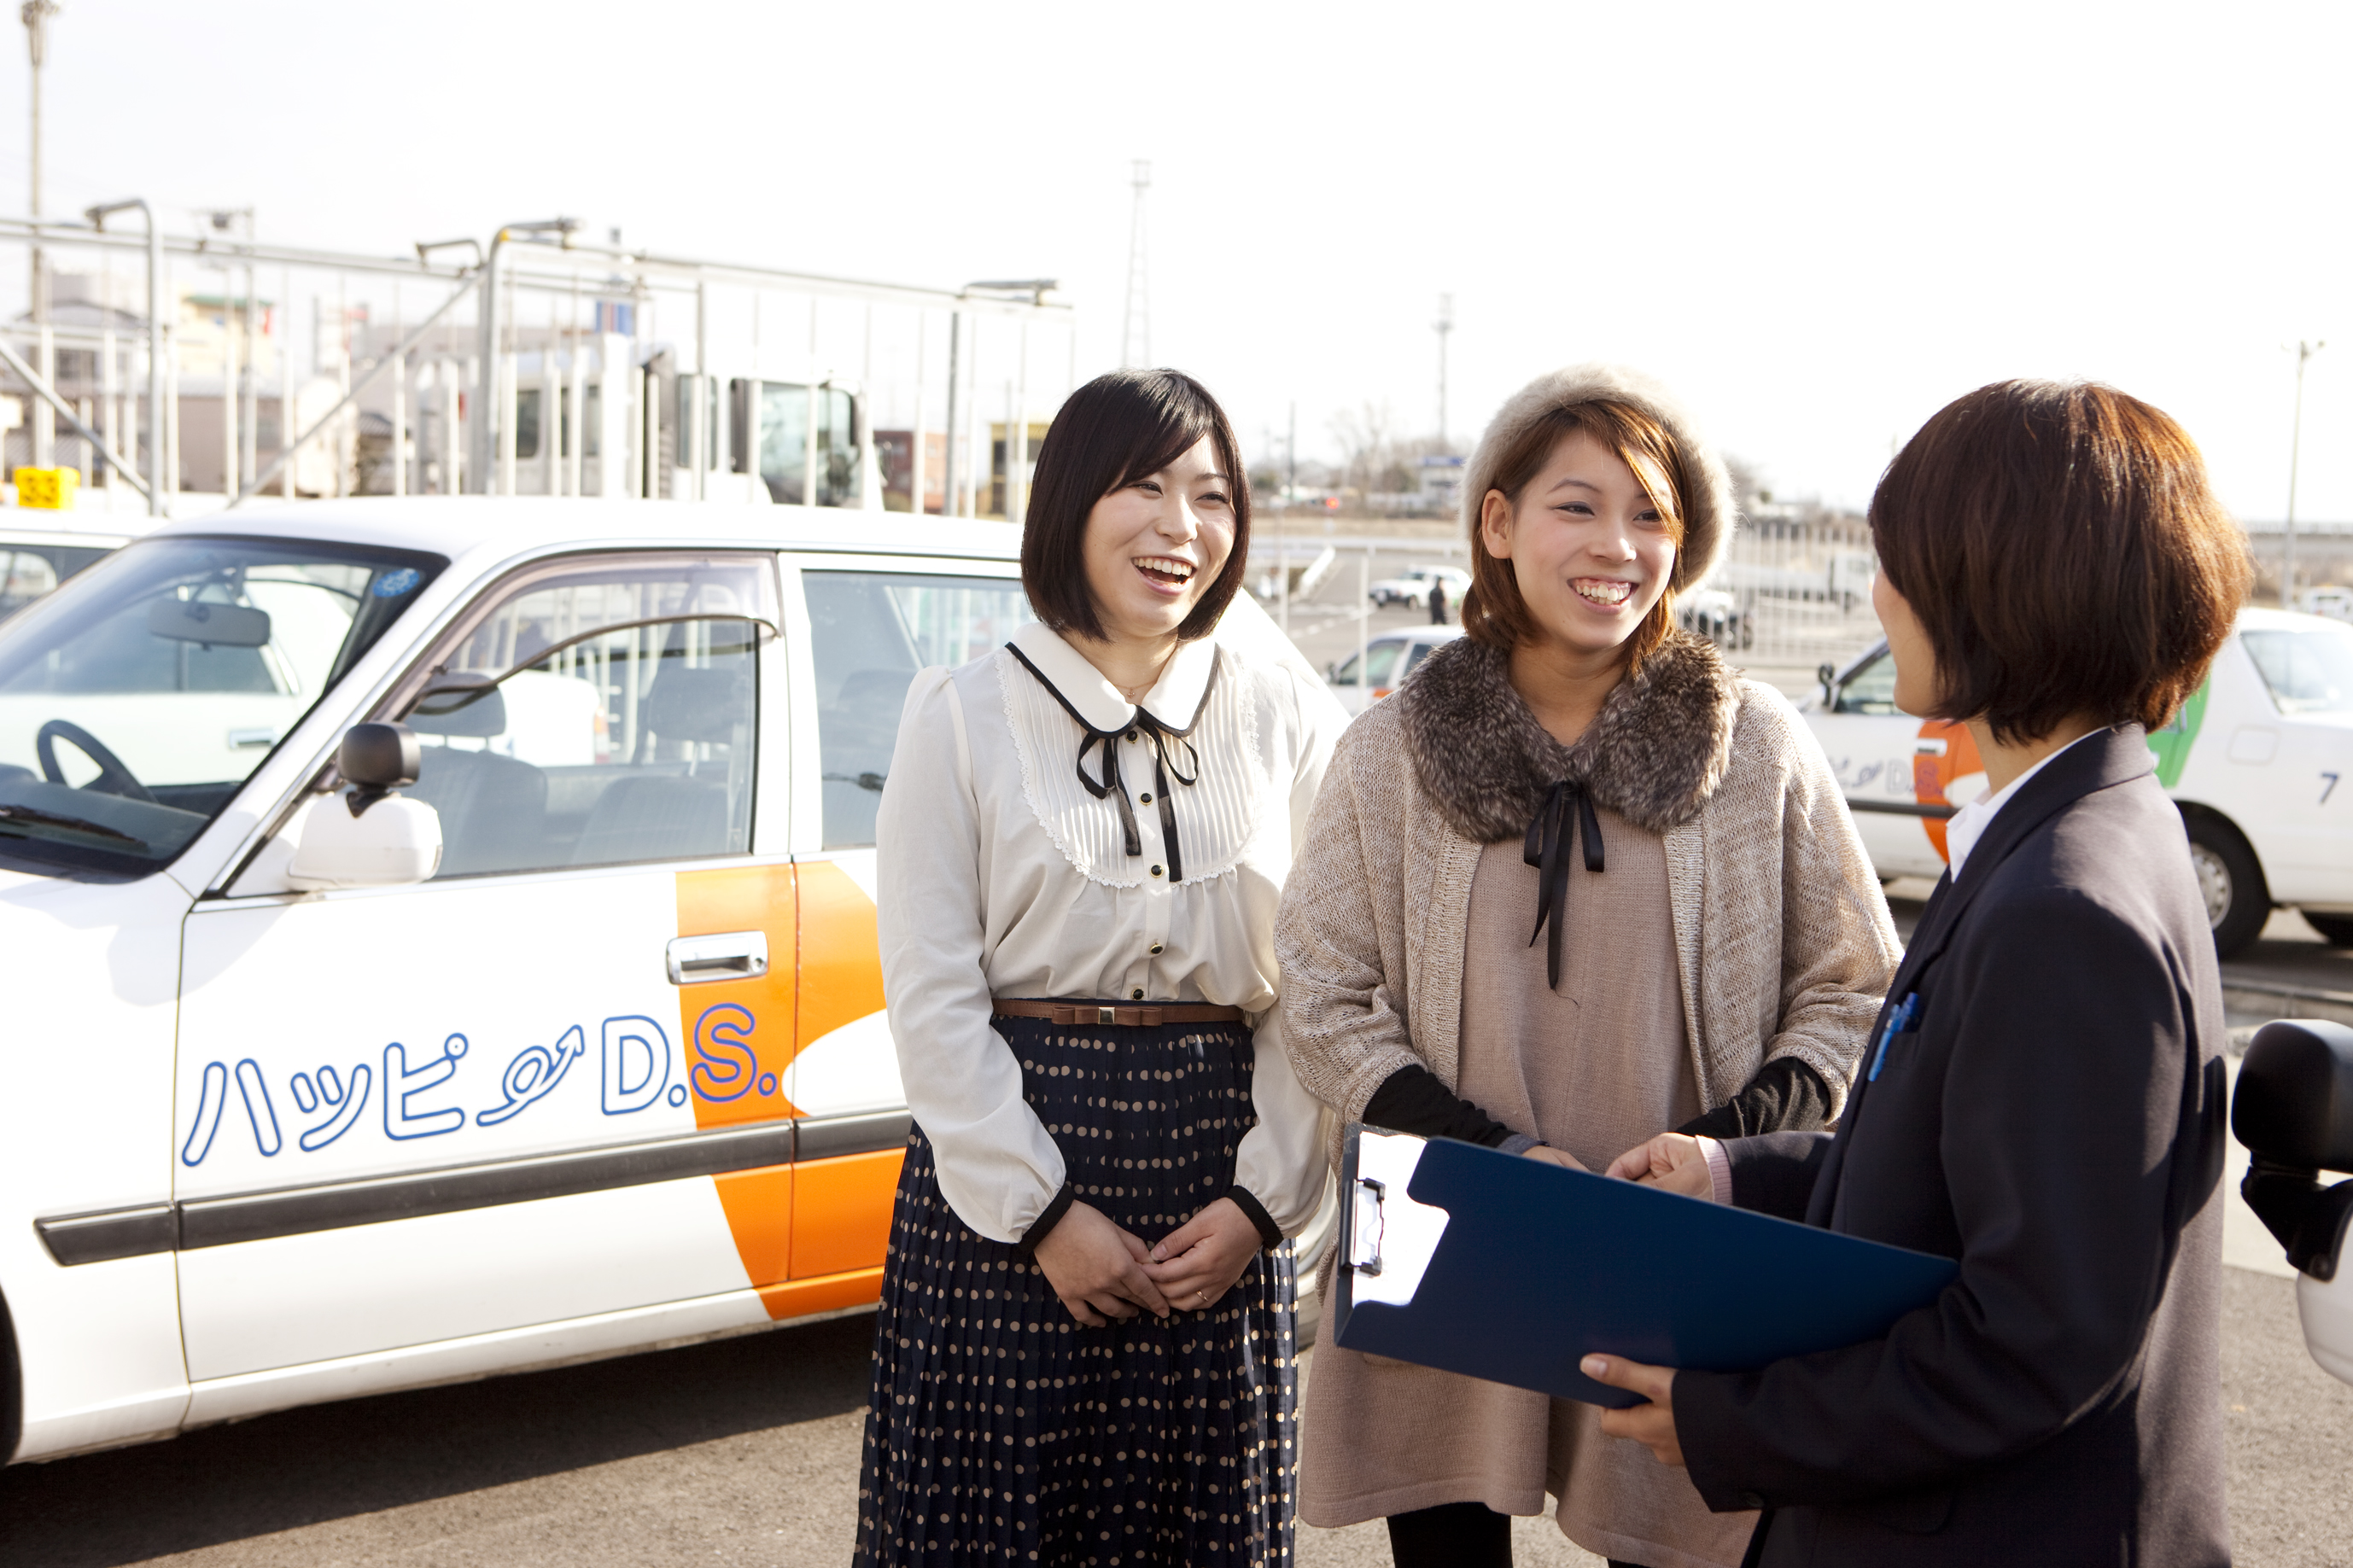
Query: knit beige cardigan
x: 1783, y: 942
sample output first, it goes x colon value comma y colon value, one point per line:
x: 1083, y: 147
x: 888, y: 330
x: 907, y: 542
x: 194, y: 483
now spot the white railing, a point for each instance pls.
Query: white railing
x: 537, y: 363
x: 1794, y: 589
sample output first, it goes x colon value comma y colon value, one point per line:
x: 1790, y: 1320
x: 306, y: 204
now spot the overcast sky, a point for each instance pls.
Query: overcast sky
x: 1819, y: 222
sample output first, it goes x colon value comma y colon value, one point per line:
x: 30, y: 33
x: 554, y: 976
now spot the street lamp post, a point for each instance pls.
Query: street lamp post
x: 37, y: 15
x: 2304, y: 351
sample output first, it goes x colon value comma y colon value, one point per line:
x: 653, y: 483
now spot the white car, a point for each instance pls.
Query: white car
x: 2255, y: 760
x: 573, y: 1047
x: 1389, y: 660
x: 1413, y: 586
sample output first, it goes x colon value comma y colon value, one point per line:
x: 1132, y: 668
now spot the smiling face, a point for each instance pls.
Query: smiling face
x: 1590, y: 550
x: 1155, y: 545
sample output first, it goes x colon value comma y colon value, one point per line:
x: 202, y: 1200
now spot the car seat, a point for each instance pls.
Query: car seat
x: 660, y: 815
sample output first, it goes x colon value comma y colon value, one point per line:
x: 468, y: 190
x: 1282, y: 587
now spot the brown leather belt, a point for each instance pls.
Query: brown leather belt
x: 1148, y: 1015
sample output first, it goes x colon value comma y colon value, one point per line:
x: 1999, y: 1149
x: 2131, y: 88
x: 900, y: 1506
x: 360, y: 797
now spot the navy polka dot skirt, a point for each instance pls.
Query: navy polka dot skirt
x: 1001, y: 1430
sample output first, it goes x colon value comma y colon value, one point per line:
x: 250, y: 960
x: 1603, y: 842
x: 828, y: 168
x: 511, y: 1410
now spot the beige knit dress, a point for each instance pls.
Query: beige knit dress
x: 1593, y: 1068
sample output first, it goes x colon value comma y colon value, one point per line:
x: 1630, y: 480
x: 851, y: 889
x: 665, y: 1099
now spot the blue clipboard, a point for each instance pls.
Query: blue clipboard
x: 1514, y: 1270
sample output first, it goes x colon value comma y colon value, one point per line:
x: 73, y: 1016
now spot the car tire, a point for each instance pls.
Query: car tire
x: 2337, y: 931
x: 2232, y: 881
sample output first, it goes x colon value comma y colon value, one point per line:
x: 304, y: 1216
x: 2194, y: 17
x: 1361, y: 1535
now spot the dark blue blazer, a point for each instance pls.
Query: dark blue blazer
x: 2054, y: 1122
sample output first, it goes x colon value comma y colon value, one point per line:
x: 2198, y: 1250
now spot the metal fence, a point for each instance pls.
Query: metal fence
x: 1794, y: 589
x: 541, y: 362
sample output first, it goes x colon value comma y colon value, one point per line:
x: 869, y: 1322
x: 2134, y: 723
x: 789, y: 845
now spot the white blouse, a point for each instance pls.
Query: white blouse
x: 1001, y: 874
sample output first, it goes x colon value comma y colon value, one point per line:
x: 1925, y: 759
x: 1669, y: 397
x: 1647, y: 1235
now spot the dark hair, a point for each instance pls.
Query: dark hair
x: 1494, y: 612
x: 2064, y: 553
x: 1113, y: 431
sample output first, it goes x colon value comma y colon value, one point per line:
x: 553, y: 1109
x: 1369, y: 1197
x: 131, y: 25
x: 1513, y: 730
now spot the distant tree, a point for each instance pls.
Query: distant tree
x: 1363, y: 434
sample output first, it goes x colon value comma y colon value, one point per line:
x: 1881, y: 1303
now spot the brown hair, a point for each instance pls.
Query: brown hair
x: 1114, y: 430
x: 1493, y: 611
x: 2064, y: 553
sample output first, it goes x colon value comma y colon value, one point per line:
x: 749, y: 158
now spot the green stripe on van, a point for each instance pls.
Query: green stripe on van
x: 2172, y: 744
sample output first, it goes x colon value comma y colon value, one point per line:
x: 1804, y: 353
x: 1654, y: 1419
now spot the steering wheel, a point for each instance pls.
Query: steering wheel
x: 112, y: 778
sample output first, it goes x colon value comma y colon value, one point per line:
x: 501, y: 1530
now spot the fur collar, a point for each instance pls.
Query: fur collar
x: 1656, y: 753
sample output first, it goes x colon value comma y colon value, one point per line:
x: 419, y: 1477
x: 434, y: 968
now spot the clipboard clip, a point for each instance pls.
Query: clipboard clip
x: 1365, y: 1227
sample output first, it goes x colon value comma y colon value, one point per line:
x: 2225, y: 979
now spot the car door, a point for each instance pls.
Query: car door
x: 869, y: 624
x: 546, y: 1085
x: 1381, y: 659
x: 2289, y: 757
x: 1903, y: 777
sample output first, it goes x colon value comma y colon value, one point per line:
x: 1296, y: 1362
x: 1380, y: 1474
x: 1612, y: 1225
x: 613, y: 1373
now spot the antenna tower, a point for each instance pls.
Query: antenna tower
x: 1135, y: 335
x: 1444, y: 325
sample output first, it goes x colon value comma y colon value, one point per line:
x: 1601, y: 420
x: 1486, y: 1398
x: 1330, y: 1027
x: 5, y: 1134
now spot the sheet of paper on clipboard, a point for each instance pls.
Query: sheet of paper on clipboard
x: 1514, y: 1270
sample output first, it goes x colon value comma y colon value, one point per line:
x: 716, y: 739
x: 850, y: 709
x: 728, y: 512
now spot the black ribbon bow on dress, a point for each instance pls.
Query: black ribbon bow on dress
x: 1566, y: 805
x: 1164, y: 765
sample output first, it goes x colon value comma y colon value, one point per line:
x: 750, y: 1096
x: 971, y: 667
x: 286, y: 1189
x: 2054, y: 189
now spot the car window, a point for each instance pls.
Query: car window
x: 785, y: 410
x: 138, y: 697
x: 631, y: 743
x: 1871, y: 690
x: 870, y: 632
x: 2307, y: 671
x: 29, y: 571
x: 1421, y: 651
x: 1381, y: 658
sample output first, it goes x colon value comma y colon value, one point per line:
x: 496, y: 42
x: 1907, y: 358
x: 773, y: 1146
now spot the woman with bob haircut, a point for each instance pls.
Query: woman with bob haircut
x: 1086, y: 1348
x: 2043, y: 1102
x: 1710, y: 942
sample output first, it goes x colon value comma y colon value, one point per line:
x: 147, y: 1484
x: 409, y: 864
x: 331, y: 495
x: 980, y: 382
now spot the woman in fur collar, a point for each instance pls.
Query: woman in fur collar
x: 1711, y: 944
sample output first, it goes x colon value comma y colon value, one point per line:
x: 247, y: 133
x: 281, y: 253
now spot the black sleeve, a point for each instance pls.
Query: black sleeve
x: 1786, y: 1096
x: 2057, y: 1167
x: 1270, y: 1233
x: 1774, y: 1173
x: 1411, y: 1100
x: 1045, y: 1223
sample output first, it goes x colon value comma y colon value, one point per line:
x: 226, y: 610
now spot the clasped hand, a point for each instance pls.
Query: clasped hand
x: 1102, y: 1271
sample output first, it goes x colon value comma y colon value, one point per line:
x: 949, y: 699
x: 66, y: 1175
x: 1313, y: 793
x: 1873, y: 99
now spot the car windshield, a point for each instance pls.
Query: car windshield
x: 136, y: 699
x: 2308, y: 671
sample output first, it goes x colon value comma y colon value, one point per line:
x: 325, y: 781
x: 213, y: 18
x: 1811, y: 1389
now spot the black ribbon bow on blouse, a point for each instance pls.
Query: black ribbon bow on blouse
x: 1566, y: 805
x: 1164, y: 765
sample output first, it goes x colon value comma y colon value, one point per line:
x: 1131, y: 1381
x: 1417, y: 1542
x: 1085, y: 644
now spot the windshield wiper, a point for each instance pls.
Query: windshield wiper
x: 32, y: 816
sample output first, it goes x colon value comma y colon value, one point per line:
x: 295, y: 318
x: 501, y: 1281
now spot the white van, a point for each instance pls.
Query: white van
x: 2255, y: 760
x: 313, y: 1091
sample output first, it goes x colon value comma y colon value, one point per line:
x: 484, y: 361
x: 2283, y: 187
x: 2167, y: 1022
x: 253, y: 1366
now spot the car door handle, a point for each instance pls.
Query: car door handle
x: 724, y: 955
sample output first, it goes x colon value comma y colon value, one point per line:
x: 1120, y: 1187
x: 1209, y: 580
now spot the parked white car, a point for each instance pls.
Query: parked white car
x: 1413, y: 586
x: 2255, y: 760
x: 1389, y: 660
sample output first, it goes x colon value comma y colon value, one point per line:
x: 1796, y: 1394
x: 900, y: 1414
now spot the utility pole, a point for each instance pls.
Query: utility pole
x: 1445, y: 327
x: 37, y: 15
x: 1135, y: 331
x: 2304, y: 351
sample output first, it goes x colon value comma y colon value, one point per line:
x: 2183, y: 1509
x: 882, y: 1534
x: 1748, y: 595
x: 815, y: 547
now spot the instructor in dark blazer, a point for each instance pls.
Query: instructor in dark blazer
x: 2042, y: 1100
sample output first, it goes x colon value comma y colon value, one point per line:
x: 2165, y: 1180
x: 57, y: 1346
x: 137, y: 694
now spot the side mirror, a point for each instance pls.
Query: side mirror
x: 373, y: 837
x: 2294, y: 1111
x: 1828, y: 675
